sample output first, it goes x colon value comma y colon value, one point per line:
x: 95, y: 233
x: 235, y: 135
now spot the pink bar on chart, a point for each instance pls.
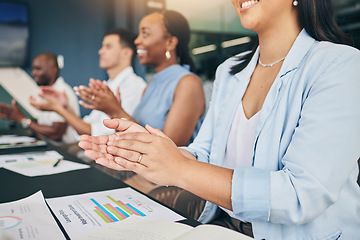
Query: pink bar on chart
x: 128, y: 208
x: 104, y: 214
x: 115, y: 210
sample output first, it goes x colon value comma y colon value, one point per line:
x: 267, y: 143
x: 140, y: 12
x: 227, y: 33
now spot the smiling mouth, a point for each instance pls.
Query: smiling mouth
x: 141, y: 51
x: 248, y: 3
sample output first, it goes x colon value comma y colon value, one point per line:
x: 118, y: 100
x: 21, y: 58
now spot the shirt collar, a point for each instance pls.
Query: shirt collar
x: 120, y: 77
x: 58, y: 82
x: 294, y: 58
x: 301, y: 47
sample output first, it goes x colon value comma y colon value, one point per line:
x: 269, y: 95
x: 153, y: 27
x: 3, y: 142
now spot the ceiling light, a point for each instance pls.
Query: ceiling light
x: 204, y: 49
x: 235, y: 42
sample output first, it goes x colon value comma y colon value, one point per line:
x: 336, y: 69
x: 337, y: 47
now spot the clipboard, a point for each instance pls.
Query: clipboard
x: 20, y: 86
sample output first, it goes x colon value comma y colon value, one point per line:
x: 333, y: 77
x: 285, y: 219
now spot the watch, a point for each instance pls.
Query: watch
x: 25, y: 123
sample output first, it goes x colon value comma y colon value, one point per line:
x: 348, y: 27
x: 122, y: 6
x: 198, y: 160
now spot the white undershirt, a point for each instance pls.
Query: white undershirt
x: 239, y: 149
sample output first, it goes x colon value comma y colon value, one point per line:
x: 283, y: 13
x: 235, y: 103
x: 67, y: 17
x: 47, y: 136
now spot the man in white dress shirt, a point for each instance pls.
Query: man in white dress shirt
x: 116, y: 54
x: 45, y: 71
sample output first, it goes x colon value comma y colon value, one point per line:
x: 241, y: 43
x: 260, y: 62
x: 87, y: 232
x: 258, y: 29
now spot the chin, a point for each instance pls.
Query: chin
x: 143, y: 62
x: 103, y: 66
x: 248, y: 24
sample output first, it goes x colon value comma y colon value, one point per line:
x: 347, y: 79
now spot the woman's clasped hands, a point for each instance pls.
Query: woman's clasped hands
x: 146, y: 151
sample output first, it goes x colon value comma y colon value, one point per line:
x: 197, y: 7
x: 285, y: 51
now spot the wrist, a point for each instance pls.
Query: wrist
x: 116, y: 113
x: 184, y: 173
x: 25, y: 122
x: 58, y: 107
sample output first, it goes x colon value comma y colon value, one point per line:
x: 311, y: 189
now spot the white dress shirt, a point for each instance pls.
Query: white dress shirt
x: 49, y: 117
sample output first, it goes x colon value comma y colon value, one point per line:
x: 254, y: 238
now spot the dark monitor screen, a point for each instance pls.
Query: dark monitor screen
x: 14, y: 34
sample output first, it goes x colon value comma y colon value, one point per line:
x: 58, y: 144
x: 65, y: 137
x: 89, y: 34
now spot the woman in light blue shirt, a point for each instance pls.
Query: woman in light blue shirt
x: 302, y: 87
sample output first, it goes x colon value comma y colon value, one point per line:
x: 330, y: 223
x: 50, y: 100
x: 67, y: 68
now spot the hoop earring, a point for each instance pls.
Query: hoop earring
x: 167, y: 55
x: 295, y: 3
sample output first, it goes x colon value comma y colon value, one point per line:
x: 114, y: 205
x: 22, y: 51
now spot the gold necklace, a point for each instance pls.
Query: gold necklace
x: 270, y: 64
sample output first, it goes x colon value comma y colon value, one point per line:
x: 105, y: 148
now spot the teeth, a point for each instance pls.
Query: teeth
x: 141, y: 51
x: 248, y: 3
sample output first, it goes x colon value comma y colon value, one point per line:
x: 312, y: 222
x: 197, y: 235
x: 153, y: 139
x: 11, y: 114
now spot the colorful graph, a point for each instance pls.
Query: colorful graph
x: 116, y: 212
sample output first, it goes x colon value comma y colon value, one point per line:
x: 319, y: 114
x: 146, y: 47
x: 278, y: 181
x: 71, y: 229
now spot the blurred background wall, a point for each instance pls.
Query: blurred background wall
x: 74, y: 29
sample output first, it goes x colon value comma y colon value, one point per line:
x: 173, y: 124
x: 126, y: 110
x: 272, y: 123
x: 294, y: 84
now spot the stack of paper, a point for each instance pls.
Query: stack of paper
x: 38, y: 163
x: 15, y: 141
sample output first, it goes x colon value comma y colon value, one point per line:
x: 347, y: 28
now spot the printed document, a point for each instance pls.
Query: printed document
x: 39, y: 163
x: 28, y: 218
x: 85, y: 213
x: 15, y: 141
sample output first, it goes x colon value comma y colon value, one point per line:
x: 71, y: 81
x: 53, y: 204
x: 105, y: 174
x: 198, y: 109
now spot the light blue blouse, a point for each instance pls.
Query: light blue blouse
x: 158, y: 98
x: 303, y: 182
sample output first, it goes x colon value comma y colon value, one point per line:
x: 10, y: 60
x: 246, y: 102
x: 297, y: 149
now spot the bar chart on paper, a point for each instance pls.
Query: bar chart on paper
x: 117, y: 210
x: 85, y: 213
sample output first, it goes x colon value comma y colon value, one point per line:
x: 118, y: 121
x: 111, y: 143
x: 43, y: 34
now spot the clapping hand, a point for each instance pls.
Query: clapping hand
x: 11, y: 112
x: 100, y: 97
x: 51, y: 100
x: 61, y: 97
x: 96, y: 146
x: 146, y: 151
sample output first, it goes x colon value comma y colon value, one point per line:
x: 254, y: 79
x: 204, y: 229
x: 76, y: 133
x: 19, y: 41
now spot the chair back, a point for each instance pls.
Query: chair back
x: 189, y: 204
x: 165, y: 194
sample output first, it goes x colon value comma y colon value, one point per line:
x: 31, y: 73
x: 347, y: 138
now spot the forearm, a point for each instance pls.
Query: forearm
x: 54, y: 132
x: 180, y: 124
x: 76, y: 122
x: 181, y: 134
x: 210, y: 182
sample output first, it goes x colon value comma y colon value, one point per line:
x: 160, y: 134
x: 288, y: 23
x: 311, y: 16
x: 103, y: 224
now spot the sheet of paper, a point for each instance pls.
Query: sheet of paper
x: 28, y: 218
x: 9, y: 139
x: 152, y: 229
x: 15, y: 141
x: 85, y: 213
x: 26, y: 157
x: 139, y: 228
x: 212, y: 232
x: 39, y: 163
x: 44, y: 167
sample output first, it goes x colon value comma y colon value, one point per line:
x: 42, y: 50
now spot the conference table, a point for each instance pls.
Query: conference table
x: 15, y: 186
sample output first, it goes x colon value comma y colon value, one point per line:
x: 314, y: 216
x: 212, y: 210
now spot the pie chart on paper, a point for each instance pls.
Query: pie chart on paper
x: 8, y: 222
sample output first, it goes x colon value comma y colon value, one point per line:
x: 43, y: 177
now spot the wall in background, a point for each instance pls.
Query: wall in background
x: 73, y: 29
